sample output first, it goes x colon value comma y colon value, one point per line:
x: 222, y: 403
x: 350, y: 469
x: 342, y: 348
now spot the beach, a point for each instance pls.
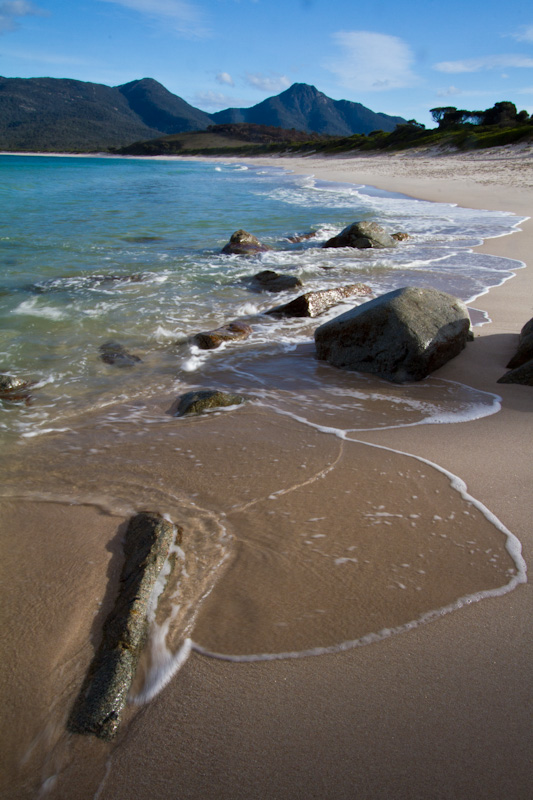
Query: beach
x: 441, y: 710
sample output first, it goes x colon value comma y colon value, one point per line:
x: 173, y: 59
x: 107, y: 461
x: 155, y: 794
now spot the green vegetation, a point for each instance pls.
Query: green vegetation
x: 457, y: 129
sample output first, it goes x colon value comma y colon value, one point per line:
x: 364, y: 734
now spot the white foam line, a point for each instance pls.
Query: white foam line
x: 370, y: 638
x: 513, y: 547
x: 164, y: 673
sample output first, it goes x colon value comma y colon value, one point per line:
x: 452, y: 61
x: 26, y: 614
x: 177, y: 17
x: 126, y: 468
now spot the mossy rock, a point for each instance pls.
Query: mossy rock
x: 204, y: 400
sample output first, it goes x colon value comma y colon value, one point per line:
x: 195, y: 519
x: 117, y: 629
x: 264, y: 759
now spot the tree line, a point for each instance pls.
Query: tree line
x: 503, y: 114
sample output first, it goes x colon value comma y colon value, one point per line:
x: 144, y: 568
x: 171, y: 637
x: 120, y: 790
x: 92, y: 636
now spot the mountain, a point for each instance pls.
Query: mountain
x: 56, y: 114
x: 159, y: 108
x: 63, y: 115
x: 53, y: 114
x: 305, y: 108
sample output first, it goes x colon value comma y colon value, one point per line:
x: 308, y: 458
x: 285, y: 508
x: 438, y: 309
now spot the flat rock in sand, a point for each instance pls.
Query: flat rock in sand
x: 104, y: 693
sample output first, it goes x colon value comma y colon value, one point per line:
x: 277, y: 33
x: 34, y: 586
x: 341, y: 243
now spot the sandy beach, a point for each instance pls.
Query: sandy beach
x: 441, y: 711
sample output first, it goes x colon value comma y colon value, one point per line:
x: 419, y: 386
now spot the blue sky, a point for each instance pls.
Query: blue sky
x: 399, y: 58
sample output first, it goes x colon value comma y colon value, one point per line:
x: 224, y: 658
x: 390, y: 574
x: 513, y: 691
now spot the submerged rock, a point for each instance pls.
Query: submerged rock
x: 400, y: 236
x: 102, y: 698
x: 302, y: 237
x: 270, y: 281
x: 13, y: 388
x: 362, y: 235
x: 233, y: 332
x: 312, y: 304
x: 243, y: 243
x: 114, y: 353
x: 199, y: 401
x: 10, y: 383
x: 522, y: 375
x: 401, y: 336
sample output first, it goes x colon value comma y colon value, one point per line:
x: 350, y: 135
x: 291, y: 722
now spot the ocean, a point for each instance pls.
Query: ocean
x: 99, y: 249
x: 128, y: 250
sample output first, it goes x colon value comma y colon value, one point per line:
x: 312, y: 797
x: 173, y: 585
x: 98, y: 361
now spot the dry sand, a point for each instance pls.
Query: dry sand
x: 440, y: 711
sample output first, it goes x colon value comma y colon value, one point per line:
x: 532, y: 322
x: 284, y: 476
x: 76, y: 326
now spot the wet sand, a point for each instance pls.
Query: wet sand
x: 440, y: 711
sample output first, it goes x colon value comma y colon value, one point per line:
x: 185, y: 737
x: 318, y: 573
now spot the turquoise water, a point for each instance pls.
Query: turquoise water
x: 99, y: 249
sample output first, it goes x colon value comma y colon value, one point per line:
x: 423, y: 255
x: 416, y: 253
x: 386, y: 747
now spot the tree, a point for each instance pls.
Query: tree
x: 439, y: 114
x: 449, y: 116
x: 502, y: 114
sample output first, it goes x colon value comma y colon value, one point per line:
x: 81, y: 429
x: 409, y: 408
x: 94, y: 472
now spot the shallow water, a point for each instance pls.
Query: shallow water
x: 99, y: 249
x: 298, y: 537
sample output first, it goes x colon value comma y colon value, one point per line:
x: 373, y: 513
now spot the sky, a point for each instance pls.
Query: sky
x: 399, y: 58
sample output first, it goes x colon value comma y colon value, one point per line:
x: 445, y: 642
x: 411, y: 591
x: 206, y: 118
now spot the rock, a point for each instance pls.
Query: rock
x: 114, y: 353
x: 13, y: 388
x: 199, y: 401
x: 527, y: 329
x: 243, y: 243
x: 524, y: 352
x: 233, y: 332
x: 270, y: 281
x: 9, y: 383
x: 302, y: 237
x: 522, y: 374
x: 362, y: 235
x: 401, y: 236
x: 401, y: 336
x: 311, y: 304
x: 99, y: 706
x: 525, y: 347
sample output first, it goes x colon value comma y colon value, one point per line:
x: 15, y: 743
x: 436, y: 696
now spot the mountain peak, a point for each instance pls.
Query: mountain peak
x: 55, y: 114
x: 303, y: 107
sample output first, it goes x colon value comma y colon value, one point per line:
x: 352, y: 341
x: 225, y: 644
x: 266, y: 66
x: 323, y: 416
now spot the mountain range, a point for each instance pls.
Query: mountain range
x: 64, y: 115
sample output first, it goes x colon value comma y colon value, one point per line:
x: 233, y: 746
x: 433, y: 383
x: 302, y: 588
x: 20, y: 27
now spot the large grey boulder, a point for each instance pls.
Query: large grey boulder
x: 243, y: 243
x: 362, y: 235
x: 312, y: 304
x: 401, y: 336
x: 104, y: 693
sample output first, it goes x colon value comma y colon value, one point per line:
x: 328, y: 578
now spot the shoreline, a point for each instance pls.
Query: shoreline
x: 439, y: 711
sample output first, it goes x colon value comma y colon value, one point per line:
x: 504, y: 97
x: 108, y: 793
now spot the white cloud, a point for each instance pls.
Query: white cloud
x: 273, y: 83
x: 372, y: 61
x: 184, y: 17
x: 13, y: 10
x: 525, y: 34
x: 225, y: 78
x: 484, y: 63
